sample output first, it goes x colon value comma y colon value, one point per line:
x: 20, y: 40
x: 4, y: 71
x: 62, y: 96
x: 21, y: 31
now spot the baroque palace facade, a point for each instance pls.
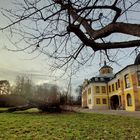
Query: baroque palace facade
x: 113, y: 91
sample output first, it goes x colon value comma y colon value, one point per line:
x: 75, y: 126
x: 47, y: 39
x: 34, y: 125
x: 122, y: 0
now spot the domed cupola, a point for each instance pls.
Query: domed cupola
x: 106, y: 70
x: 137, y: 60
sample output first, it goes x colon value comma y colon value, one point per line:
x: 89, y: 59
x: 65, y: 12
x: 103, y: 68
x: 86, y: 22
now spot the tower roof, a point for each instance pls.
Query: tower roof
x: 105, y: 66
x: 106, y: 71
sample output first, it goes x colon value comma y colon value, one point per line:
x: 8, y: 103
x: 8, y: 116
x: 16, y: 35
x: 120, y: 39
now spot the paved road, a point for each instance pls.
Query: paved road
x: 112, y: 112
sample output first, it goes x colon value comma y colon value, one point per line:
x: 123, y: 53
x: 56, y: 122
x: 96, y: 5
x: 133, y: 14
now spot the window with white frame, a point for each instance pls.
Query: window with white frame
x: 103, y: 89
x: 104, y: 101
x: 89, y: 101
x: 112, y: 87
x: 129, y: 100
x: 98, y: 101
x: 97, y: 89
x: 127, y: 82
x: 138, y: 73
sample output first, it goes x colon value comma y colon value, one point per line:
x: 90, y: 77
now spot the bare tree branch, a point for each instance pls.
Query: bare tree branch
x: 64, y: 29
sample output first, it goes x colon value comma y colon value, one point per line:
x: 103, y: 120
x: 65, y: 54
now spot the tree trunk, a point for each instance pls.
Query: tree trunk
x: 20, y: 108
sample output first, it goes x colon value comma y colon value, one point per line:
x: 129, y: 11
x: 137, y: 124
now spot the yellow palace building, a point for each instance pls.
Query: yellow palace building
x: 113, y: 91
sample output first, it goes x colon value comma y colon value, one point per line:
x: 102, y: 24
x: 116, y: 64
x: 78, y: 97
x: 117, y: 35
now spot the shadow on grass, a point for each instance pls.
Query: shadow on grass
x: 37, y: 112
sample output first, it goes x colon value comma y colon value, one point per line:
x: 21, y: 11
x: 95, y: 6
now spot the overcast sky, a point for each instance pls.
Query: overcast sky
x: 19, y: 63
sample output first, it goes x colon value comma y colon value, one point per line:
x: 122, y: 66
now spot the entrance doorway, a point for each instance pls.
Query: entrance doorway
x: 114, y: 102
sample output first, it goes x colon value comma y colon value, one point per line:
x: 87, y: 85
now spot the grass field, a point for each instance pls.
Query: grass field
x: 71, y: 126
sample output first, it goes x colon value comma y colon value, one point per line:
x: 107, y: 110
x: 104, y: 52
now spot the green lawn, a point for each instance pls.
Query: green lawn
x: 73, y: 126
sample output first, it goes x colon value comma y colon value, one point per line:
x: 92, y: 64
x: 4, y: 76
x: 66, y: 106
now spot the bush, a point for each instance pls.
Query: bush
x: 11, y: 101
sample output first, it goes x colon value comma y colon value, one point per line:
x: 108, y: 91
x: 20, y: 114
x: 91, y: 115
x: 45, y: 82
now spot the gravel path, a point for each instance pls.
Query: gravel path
x: 112, y: 112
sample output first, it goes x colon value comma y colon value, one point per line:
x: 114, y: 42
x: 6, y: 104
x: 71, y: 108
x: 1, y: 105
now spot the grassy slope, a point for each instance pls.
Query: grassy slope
x: 78, y: 126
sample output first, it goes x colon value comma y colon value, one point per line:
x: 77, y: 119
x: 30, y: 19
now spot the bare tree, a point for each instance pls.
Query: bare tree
x: 47, y: 94
x: 4, y: 87
x: 23, y: 87
x: 64, y: 29
x: 78, y: 91
x: 45, y: 97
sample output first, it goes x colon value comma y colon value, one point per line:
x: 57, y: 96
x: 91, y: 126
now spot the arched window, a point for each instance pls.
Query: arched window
x: 129, y: 100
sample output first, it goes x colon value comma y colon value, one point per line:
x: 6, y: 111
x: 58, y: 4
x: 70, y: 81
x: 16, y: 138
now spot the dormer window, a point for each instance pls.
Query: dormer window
x: 96, y: 78
x: 102, y: 79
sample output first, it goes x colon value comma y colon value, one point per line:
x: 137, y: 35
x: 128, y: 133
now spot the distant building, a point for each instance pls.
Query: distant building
x: 118, y: 91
